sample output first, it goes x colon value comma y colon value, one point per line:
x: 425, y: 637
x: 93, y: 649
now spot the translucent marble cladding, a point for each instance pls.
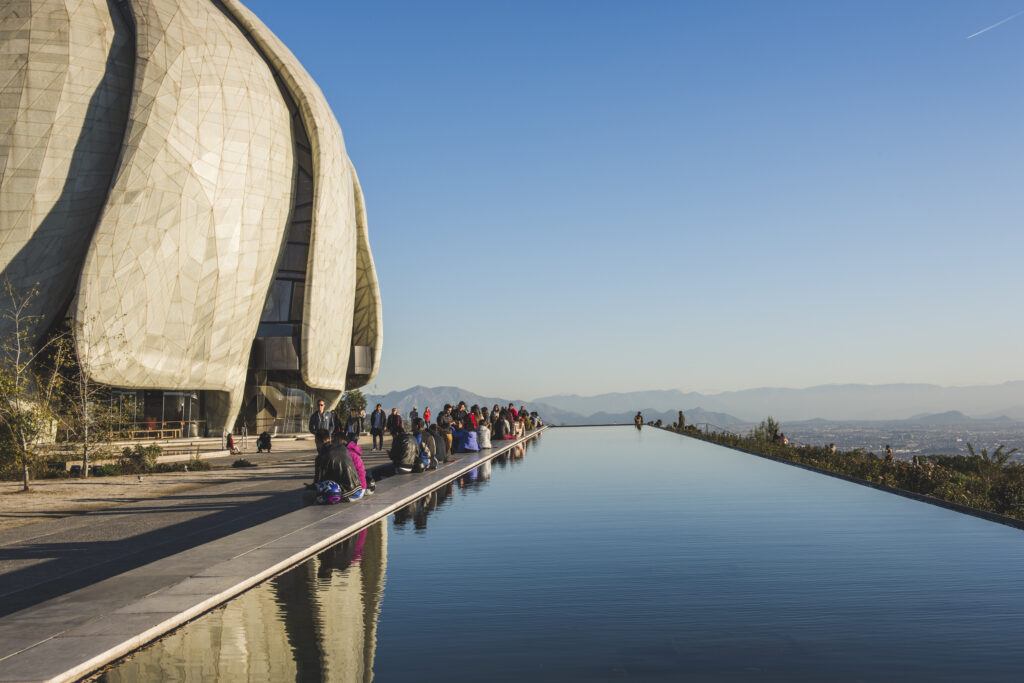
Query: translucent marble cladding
x: 65, y: 86
x: 175, y: 278
x: 331, y: 285
x: 367, y: 316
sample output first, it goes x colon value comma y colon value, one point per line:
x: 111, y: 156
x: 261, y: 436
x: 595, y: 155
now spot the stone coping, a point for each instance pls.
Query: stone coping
x: 77, y: 633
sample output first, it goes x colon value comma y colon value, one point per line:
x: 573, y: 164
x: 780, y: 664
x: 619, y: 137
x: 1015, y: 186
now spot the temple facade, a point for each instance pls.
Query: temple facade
x: 176, y: 188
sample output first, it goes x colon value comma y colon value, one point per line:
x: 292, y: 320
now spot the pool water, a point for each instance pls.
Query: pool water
x: 609, y: 553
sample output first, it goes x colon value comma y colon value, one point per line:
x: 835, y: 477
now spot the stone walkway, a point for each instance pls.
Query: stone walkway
x: 80, y: 591
x: 55, y: 498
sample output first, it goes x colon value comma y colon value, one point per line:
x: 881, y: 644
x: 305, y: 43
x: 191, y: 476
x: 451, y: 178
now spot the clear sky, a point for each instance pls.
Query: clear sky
x: 581, y: 197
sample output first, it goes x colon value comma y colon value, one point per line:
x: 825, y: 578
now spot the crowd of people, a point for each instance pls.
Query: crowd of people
x: 416, y: 446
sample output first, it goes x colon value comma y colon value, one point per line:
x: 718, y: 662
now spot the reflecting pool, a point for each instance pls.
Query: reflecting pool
x: 615, y: 554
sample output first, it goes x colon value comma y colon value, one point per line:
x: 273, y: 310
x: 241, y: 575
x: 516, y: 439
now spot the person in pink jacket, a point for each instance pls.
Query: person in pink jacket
x: 356, y: 453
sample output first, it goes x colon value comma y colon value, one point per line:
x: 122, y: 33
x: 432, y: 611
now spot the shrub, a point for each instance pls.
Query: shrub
x: 107, y: 470
x: 139, y: 460
x: 242, y: 462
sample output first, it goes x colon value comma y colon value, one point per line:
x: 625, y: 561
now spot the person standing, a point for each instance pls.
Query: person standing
x: 413, y: 416
x: 321, y: 419
x: 426, y: 415
x: 638, y: 420
x: 378, y: 421
x: 394, y: 422
x: 362, y: 420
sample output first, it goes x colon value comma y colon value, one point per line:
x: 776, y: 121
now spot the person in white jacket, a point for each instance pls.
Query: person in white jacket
x: 483, y: 435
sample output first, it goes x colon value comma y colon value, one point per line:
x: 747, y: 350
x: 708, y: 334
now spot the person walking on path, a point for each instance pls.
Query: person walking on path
x: 321, y: 419
x: 378, y: 421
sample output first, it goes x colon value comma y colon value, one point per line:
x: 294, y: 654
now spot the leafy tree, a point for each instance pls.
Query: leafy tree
x: 351, y: 400
x: 766, y: 432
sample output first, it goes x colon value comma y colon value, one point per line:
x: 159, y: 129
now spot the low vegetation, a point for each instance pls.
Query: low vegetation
x: 982, y: 480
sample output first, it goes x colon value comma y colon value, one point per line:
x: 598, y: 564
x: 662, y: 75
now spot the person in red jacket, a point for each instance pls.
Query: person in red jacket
x: 426, y: 415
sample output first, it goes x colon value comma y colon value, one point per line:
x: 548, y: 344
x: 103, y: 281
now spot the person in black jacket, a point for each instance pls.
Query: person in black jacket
x: 440, y: 450
x: 405, y: 451
x: 321, y: 419
x: 334, y: 462
x: 394, y: 422
x: 459, y: 414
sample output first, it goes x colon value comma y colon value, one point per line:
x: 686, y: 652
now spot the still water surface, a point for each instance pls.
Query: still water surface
x: 612, y: 554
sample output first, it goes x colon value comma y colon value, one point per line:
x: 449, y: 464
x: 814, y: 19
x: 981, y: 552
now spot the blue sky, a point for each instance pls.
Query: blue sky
x: 581, y: 197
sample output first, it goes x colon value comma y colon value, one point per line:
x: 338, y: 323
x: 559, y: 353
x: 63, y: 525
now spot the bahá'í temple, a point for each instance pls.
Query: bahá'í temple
x: 176, y: 187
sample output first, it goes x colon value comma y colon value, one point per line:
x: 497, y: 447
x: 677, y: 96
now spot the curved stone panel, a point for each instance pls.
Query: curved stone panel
x: 367, y: 328
x: 175, y: 279
x: 331, y: 275
x: 65, y: 85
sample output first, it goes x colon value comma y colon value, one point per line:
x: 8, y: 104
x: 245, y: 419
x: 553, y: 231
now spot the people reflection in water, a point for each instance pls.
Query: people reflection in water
x: 420, y: 509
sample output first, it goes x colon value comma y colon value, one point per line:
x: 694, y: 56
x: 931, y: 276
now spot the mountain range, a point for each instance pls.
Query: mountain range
x: 739, y: 409
x: 830, y: 401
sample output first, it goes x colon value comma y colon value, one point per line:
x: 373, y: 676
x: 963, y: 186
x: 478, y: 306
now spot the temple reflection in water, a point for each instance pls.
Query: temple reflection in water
x: 317, y: 621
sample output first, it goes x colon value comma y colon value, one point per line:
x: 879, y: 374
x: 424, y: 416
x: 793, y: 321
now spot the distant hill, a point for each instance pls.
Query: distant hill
x: 830, y: 402
x: 1013, y: 413
x: 693, y: 416
x: 947, y: 418
x: 615, y: 403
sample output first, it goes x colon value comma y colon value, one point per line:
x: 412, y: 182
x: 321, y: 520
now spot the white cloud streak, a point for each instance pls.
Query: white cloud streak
x: 998, y: 23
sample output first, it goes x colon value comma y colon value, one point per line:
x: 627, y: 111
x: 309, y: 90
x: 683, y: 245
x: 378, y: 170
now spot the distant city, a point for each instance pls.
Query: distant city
x: 908, y: 438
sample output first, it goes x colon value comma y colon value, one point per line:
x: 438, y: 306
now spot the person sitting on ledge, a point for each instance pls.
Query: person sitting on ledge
x: 425, y: 442
x: 334, y: 463
x: 502, y: 429
x: 356, y: 453
x: 519, y: 428
x: 483, y: 434
x: 439, y: 445
x: 405, y: 452
x: 464, y: 439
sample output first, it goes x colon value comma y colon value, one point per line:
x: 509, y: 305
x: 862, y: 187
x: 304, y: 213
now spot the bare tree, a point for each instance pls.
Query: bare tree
x: 28, y: 387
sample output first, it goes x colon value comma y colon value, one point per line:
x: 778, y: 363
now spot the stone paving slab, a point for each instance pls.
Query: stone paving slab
x: 71, y: 634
